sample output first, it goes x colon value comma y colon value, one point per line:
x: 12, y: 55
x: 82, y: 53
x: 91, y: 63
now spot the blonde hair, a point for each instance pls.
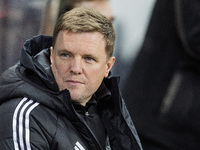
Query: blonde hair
x: 83, y: 19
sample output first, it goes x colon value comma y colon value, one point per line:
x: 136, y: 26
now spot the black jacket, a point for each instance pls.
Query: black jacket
x: 34, y: 114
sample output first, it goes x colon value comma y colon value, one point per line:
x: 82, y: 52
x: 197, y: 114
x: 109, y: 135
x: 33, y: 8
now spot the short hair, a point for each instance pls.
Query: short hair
x: 81, y: 19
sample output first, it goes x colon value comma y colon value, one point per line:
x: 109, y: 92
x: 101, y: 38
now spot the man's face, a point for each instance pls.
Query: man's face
x: 79, y: 63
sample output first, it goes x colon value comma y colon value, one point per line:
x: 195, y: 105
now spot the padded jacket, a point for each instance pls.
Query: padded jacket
x: 35, y: 115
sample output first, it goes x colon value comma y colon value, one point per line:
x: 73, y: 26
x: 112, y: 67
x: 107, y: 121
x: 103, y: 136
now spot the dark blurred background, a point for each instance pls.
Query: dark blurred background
x: 19, y: 20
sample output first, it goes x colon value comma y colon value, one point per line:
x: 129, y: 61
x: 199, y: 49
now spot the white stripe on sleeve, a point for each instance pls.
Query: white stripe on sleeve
x: 15, y: 123
x: 24, y: 108
x: 27, y: 125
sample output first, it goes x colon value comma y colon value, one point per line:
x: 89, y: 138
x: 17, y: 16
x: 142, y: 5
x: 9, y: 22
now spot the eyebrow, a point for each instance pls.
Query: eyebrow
x: 84, y: 55
x: 63, y: 51
x: 92, y: 56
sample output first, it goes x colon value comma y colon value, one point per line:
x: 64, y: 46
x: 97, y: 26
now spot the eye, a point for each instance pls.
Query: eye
x: 64, y: 55
x: 89, y: 59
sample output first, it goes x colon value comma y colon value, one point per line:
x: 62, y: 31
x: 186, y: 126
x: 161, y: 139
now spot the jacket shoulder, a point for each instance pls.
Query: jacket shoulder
x: 24, y: 119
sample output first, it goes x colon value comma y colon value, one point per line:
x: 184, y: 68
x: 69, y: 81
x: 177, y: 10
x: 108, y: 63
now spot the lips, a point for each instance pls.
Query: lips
x: 74, y: 82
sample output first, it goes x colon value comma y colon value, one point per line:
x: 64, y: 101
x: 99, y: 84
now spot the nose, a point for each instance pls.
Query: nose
x: 76, y: 66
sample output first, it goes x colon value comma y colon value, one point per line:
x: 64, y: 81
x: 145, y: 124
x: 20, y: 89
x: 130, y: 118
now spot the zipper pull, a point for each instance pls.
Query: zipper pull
x: 86, y: 114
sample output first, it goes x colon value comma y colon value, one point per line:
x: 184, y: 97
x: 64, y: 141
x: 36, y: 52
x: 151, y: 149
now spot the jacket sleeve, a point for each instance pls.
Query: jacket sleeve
x: 19, y: 129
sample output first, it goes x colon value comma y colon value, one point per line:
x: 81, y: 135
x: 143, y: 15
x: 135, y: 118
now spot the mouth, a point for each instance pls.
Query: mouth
x: 74, y: 82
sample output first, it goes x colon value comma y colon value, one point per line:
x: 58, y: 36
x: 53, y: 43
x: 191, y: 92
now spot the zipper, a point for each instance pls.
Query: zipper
x: 87, y: 128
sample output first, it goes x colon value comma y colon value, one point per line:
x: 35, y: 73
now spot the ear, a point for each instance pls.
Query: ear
x: 51, y: 54
x: 109, y: 65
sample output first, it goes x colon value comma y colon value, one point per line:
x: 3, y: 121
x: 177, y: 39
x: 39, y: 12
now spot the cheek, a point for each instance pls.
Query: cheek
x: 97, y: 70
x: 57, y: 69
x: 96, y: 75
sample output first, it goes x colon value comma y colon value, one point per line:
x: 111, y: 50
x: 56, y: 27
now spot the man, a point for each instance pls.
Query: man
x: 60, y: 96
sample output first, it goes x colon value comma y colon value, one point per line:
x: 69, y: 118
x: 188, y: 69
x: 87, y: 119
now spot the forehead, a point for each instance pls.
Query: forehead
x: 91, y: 37
x: 80, y: 41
